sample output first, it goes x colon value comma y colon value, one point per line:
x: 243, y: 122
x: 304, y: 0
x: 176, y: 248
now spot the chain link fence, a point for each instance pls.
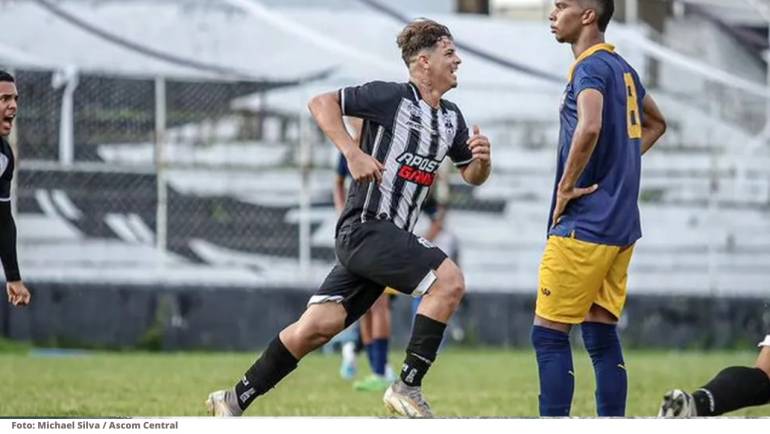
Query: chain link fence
x: 123, y: 177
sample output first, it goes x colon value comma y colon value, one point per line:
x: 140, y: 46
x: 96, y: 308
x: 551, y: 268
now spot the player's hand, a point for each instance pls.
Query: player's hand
x: 564, y: 196
x: 479, y: 144
x: 18, y: 294
x: 364, y: 168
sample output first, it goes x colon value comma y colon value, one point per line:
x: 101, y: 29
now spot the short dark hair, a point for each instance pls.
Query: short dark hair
x: 418, y: 35
x: 604, y: 9
x: 4, y: 76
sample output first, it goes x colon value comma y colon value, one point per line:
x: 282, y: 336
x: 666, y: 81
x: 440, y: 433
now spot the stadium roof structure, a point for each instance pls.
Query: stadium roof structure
x: 504, y: 61
x: 183, y: 40
x: 251, y: 39
x: 240, y: 39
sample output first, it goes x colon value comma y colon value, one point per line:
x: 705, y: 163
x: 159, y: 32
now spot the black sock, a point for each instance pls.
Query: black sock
x: 273, y: 365
x: 421, y: 351
x: 733, y: 388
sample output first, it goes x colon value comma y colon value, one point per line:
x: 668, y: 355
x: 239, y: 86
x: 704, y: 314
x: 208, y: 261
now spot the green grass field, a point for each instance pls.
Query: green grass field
x: 483, y: 382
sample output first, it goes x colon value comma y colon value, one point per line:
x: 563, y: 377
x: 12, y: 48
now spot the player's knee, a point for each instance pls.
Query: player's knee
x: 451, y: 286
x: 319, y: 331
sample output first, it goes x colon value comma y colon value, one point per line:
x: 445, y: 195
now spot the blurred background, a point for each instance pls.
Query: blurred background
x: 173, y: 192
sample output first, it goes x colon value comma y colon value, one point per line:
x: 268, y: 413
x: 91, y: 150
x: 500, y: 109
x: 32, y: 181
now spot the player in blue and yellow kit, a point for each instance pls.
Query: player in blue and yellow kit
x: 607, y: 122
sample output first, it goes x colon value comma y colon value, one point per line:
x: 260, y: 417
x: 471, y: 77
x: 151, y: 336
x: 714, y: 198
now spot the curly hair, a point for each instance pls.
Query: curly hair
x: 419, y: 35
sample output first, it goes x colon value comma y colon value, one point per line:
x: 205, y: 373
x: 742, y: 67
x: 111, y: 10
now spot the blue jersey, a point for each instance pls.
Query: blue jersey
x: 342, y: 166
x: 610, y: 215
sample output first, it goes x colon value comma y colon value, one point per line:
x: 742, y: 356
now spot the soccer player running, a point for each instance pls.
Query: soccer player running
x: 733, y: 388
x: 607, y: 123
x: 408, y: 130
x: 18, y: 294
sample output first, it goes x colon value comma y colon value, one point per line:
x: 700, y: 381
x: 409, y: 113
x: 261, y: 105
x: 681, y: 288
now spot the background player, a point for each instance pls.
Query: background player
x: 374, y: 326
x: 18, y: 294
x: 731, y: 389
x: 408, y: 130
x: 594, y: 218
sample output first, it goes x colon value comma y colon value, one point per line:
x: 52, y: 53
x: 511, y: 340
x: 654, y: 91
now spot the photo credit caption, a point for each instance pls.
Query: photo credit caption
x: 110, y: 424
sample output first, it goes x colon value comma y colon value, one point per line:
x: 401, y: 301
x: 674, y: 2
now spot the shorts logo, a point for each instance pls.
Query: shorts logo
x: 426, y: 243
x: 546, y: 292
x: 417, y: 169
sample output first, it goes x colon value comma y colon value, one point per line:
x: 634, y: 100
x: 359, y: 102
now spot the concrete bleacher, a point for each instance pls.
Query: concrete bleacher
x: 242, y: 226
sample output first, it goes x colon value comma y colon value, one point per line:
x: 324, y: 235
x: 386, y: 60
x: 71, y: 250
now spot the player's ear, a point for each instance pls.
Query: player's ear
x: 423, y: 60
x: 589, y: 16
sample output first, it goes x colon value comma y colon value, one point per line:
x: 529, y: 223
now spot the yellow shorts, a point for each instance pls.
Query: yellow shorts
x: 575, y: 274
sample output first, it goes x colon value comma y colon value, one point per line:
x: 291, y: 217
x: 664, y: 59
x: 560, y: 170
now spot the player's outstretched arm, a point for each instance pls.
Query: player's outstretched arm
x: 327, y: 112
x: 478, y: 171
x: 653, y: 123
x: 590, y: 105
x: 18, y: 294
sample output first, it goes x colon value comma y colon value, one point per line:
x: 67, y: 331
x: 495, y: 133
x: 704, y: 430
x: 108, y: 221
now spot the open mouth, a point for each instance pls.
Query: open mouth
x: 9, y: 119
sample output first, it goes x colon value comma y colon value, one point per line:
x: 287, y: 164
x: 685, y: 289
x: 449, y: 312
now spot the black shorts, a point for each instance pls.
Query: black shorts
x: 375, y: 255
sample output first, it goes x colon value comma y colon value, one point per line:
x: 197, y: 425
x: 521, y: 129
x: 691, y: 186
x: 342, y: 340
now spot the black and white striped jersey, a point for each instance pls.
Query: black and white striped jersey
x: 410, y: 138
x: 7, y: 225
x: 6, y: 170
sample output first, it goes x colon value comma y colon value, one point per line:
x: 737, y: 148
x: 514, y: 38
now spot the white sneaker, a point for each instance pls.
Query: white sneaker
x: 348, y: 368
x: 390, y: 374
x: 677, y: 403
x: 406, y: 401
x: 222, y: 403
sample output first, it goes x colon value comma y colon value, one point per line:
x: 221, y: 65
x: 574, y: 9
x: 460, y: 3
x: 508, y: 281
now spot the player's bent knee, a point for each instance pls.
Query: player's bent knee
x: 451, y: 283
x: 317, y: 327
x: 317, y: 333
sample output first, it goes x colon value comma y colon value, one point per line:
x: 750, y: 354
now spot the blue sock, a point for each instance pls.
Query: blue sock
x: 602, y: 343
x: 557, y: 376
x: 370, y: 353
x: 380, y: 356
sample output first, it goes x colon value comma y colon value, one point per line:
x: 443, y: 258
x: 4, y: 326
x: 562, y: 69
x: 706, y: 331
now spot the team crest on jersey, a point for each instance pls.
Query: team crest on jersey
x: 415, y: 110
x: 418, y: 169
x: 448, y: 125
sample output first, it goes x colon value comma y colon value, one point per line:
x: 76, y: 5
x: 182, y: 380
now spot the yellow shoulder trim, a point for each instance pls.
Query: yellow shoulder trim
x: 589, y: 52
